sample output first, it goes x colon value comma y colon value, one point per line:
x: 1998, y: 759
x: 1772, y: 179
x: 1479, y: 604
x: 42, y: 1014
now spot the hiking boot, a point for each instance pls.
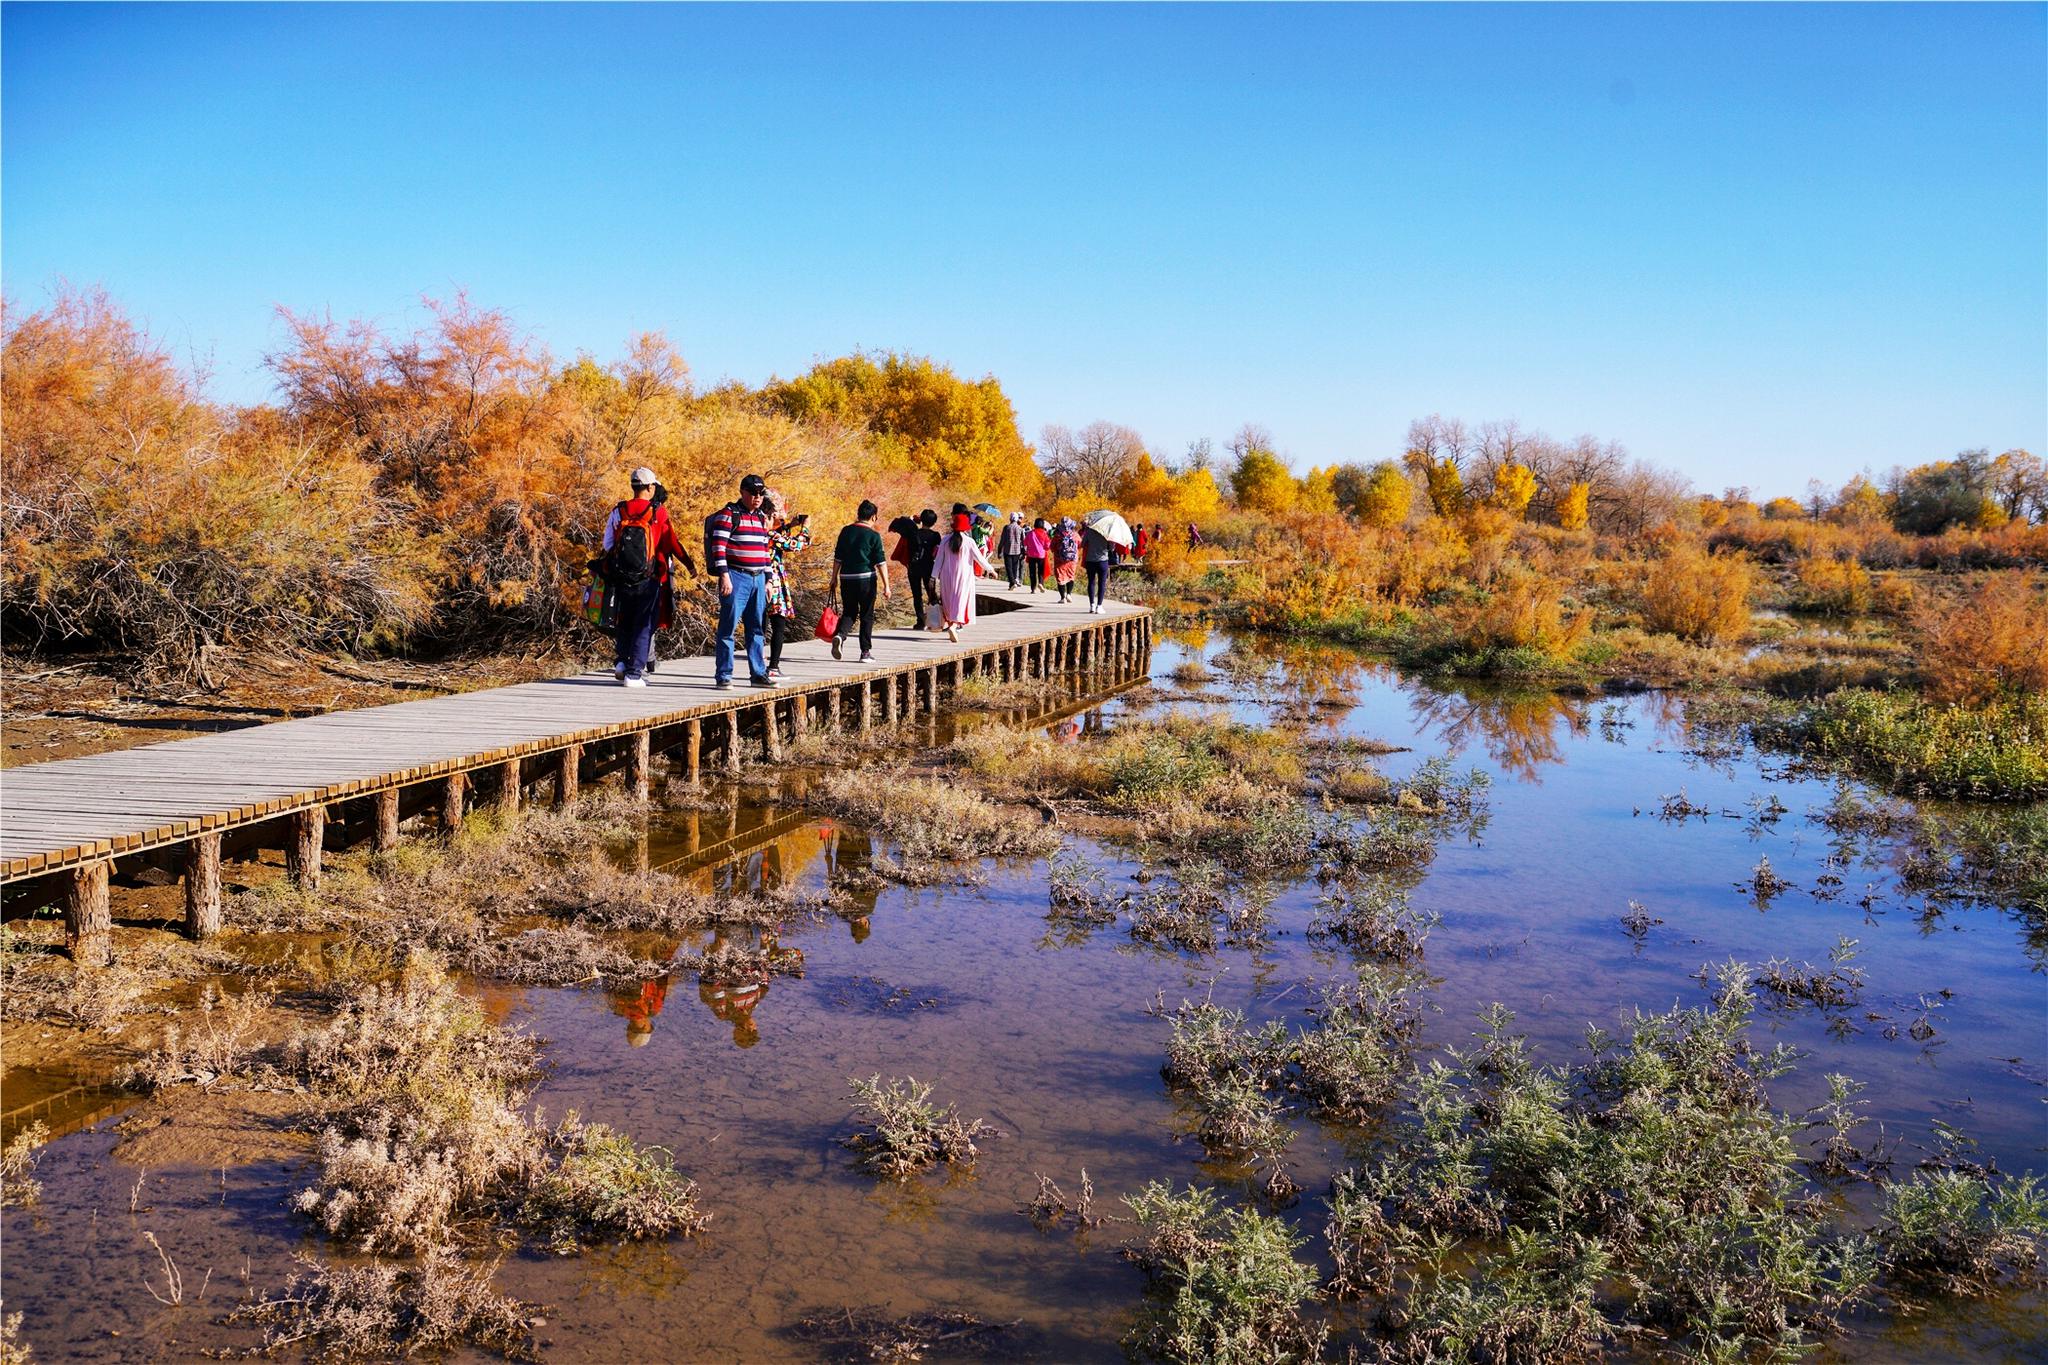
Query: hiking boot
x: 838, y: 646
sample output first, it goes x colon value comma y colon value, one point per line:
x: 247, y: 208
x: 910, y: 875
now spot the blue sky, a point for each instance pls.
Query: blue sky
x: 1754, y: 243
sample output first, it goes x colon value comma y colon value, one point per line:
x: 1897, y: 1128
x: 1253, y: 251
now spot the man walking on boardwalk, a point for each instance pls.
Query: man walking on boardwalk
x: 638, y: 544
x: 741, y: 551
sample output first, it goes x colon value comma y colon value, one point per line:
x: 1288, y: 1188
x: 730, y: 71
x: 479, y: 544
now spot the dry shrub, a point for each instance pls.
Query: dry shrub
x: 1989, y: 644
x: 1839, y: 586
x: 216, y: 1044
x: 934, y: 820
x: 381, y: 1312
x: 1698, y: 596
x: 1526, y: 611
x: 1316, y: 571
x: 18, y: 1185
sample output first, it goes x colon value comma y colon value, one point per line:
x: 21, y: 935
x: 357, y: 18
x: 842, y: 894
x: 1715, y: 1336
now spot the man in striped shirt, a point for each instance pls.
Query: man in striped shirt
x: 740, y: 555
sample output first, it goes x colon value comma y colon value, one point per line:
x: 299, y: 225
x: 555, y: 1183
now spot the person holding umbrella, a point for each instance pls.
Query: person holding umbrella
x: 1102, y: 532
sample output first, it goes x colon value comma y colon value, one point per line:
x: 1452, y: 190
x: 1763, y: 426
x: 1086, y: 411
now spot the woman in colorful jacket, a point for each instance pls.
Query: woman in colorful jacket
x: 788, y: 539
x: 1037, y: 547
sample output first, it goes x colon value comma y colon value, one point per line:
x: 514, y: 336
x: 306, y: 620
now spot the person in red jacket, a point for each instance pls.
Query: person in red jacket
x: 639, y: 542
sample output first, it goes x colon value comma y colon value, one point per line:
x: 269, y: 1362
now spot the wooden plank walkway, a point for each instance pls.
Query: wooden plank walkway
x: 78, y: 813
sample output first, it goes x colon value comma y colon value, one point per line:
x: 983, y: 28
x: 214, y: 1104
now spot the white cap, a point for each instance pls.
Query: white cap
x: 643, y: 477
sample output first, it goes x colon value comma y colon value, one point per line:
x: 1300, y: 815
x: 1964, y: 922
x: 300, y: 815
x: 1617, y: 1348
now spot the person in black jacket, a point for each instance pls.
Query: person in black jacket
x: 924, y: 553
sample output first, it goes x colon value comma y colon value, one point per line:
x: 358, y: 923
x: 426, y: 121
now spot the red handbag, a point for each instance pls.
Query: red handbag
x: 828, y: 624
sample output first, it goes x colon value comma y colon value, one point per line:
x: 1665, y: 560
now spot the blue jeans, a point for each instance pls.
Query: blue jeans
x: 747, y: 603
x: 634, y: 609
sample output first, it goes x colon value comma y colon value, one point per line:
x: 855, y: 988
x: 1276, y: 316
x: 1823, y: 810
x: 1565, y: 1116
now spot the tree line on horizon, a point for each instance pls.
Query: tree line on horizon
x: 442, y: 487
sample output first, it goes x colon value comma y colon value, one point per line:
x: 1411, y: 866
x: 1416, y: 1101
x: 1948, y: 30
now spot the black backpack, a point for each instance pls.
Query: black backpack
x: 710, y: 525
x: 633, y: 546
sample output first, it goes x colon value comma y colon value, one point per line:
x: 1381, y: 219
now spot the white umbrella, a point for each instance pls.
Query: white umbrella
x: 1110, y: 527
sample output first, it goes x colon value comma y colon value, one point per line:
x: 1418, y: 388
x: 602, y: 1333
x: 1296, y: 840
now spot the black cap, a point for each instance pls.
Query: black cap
x: 753, y: 483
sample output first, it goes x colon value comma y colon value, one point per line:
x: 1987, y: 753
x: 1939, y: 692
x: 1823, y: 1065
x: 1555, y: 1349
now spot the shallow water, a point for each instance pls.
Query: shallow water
x: 1052, y: 1043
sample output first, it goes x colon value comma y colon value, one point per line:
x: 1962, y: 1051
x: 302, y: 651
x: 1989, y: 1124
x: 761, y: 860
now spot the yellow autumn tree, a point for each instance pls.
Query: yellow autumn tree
x: 1387, y: 498
x: 1572, y: 507
x: 961, y: 434
x: 1261, y: 483
x: 1513, y: 486
x: 1318, y: 491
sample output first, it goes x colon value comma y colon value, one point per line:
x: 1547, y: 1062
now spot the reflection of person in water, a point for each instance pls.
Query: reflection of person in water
x: 638, y: 1008
x: 847, y: 854
x: 736, y: 976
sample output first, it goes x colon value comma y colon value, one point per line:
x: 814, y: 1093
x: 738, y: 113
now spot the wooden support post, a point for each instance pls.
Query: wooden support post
x: 639, y: 764
x: 202, y: 886
x: 800, y: 714
x: 453, y: 789
x: 384, y: 833
x: 931, y: 689
x: 832, y: 700
x: 771, y: 744
x: 693, y: 748
x: 900, y: 686
x: 89, y: 915
x: 510, y: 779
x: 302, y: 850
x: 732, y: 741
x: 568, y: 775
x: 867, y: 702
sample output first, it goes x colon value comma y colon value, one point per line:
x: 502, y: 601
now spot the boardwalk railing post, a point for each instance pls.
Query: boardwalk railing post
x: 202, y: 886
x: 453, y: 788
x: 302, y: 850
x: 693, y: 748
x: 509, y: 774
x: 568, y: 774
x: 89, y: 916
x: 384, y: 831
x: 639, y: 759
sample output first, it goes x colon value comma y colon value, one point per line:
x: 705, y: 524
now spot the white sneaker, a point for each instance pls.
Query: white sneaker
x: 867, y: 656
x: 953, y: 634
x: 634, y: 682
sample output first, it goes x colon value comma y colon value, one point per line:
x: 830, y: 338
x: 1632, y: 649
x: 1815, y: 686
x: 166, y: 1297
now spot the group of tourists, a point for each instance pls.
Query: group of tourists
x: 749, y: 545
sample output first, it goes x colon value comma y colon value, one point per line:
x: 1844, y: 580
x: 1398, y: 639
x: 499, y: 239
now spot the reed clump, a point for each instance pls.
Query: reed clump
x: 902, y: 1132
x: 934, y: 821
x: 18, y: 1186
x: 1227, y: 1286
x: 382, y: 1311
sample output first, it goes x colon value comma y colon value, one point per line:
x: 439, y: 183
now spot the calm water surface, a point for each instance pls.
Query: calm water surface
x: 1052, y: 1043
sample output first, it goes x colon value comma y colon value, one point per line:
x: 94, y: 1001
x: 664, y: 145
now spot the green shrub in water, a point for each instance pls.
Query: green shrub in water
x: 1963, y: 1232
x: 1227, y: 1287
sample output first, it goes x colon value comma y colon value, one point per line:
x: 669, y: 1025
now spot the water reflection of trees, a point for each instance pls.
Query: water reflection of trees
x: 1521, y: 730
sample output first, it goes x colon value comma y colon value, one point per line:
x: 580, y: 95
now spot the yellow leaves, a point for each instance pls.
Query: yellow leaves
x: 1513, y: 486
x: 1697, y: 596
x: 1262, y: 484
x: 1572, y: 507
x: 1387, y: 497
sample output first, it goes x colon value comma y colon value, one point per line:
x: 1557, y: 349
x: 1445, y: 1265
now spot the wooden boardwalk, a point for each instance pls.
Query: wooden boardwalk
x: 368, y: 769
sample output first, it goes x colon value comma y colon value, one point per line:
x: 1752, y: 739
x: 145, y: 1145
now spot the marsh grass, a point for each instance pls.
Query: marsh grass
x: 1964, y: 1233
x: 382, y: 1311
x: 220, y: 1041
x: 18, y: 1186
x: 1836, y: 986
x: 902, y: 1132
x: 1227, y: 1287
x: 986, y: 692
x: 605, y: 1188
x: 1376, y: 920
x: 932, y: 820
x: 1997, y: 751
